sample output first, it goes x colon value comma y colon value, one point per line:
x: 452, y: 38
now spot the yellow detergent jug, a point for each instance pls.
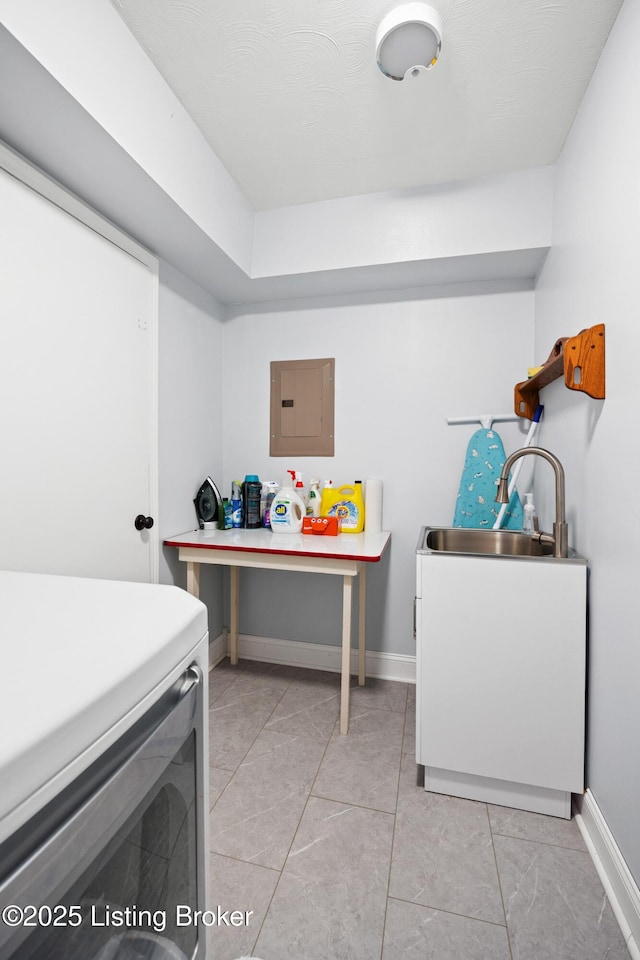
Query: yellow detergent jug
x: 349, y: 508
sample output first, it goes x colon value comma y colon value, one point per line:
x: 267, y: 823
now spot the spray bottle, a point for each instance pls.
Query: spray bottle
x: 236, y: 504
x: 314, y: 498
x: 296, y: 476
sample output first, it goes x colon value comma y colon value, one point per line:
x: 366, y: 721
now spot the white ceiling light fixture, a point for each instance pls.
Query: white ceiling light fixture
x: 408, y: 40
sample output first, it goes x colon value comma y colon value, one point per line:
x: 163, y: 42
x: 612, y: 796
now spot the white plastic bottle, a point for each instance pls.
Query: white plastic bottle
x: 287, y: 509
x: 269, y: 490
x: 529, y: 524
x: 298, y: 482
x: 314, y: 499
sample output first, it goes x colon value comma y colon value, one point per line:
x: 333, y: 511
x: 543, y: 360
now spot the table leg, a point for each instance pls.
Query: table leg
x: 362, y: 599
x: 235, y: 606
x: 346, y: 654
x: 193, y: 578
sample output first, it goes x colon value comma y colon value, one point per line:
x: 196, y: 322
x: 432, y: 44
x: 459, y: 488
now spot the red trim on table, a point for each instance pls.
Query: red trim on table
x: 285, y: 553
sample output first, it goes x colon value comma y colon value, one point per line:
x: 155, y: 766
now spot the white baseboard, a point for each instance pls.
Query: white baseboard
x: 315, y: 656
x: 620, y: 886
x: 622, y: 890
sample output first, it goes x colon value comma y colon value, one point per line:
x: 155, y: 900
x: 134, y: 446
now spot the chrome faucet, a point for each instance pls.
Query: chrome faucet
x: 560, y: 536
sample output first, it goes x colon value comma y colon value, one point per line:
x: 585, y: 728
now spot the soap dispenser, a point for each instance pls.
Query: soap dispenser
x: 530, y: 521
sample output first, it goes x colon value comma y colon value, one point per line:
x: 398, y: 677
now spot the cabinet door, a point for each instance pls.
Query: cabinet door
x: 502, y: 669
x: 76, y: 401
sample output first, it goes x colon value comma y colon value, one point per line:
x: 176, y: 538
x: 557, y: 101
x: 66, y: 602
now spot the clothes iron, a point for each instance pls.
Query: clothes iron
x: 209, y: 507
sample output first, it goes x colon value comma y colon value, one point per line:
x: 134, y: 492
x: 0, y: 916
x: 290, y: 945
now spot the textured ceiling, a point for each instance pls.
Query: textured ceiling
x: 288, y: 94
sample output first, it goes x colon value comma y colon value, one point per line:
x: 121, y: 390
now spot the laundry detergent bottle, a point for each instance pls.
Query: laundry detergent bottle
x: 287, y: 508
x: 251, y: 493
x: 349, y: 508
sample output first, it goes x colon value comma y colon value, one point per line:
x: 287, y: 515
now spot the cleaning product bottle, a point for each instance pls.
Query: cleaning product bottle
x: 287, y: 509
x: 236, y: 505
x: 349, y: 508
x: 530, y: 522
x: 314, y: 499
x: 269, y: 490
x: 227, y: 522
x: 296, y: 476
x: 251, y: 491
x: 329, y: 497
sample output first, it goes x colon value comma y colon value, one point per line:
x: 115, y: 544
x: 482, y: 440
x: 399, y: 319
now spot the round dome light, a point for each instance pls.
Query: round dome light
x: 408, y: 40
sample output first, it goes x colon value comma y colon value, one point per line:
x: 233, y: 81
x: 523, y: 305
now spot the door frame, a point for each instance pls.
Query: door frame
x: 33, y: 177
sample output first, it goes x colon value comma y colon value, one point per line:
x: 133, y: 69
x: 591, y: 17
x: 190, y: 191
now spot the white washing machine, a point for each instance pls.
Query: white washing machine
x: 103, y: 770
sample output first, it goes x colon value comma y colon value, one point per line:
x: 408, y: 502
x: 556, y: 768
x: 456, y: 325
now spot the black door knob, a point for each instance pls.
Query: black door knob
x: 143, y: 523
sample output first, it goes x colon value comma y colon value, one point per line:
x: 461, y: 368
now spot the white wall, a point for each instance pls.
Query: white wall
x: 592, y: 275
x: 401, y: 369
x: 489, y: 214
x: 73, y: 73
x: 90, y: 52
x: 190, y: 420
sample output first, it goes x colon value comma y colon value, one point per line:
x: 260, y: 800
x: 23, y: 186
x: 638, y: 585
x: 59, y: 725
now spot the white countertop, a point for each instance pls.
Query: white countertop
x: 366, y: 546
x: 76, y: 655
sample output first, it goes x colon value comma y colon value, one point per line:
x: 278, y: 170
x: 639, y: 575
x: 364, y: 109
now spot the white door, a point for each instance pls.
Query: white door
x: 77, y: 410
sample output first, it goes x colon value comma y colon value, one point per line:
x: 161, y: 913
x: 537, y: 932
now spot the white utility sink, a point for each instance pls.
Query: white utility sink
x: 501, y: 652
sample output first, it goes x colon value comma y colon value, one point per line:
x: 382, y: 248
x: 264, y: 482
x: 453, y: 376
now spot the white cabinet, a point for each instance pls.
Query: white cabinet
x: 501, y: 648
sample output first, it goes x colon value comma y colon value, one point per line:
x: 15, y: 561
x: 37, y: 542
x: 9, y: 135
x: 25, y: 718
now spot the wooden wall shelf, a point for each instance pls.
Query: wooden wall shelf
x: 579, y: 358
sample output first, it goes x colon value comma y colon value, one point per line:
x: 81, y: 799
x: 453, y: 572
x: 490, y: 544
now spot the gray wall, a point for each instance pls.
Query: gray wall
x: 402, y: 368
x: 190, y: 335
x: 592, y: 275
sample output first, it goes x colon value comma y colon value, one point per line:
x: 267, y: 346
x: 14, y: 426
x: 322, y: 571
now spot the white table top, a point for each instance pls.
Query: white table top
x: 346, y: 546
x: 76, y: 656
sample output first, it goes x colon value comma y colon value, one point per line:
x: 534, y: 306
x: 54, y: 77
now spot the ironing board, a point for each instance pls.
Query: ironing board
x: 475, y: 503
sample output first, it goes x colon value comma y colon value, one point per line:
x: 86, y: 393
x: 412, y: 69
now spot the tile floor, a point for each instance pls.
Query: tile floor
x: 340, y: 855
